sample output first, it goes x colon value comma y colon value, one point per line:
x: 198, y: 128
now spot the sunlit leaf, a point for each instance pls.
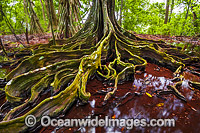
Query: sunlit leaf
x: 148, y: 94
x: 114, y: 116
x: 160, y: 104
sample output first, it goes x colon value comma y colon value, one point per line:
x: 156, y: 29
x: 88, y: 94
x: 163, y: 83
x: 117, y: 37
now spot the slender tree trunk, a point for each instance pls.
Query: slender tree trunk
x: 47, y: 9
x: 26, y: 13
x: 1, y: 15
x: 166, y: 12
x: 195, y: 18
x: 11, y: 27
x: 50, y: 21
x: 66, y: 33
x: 120, y: 18
x: 43, y: 13
x: 194, y: 14
x: 27, y: 36
x: 68, y: 17
x: 53, y: 15
x: 186, y: 15
x: 59, y: 8
x: 26, y: 16
x: 188, y: 9
x: 172, y: 7
x: 35, y: 23
x: 125, y: 11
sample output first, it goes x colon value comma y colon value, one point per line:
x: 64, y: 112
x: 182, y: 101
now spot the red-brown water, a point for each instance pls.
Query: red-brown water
x: 186, y: 115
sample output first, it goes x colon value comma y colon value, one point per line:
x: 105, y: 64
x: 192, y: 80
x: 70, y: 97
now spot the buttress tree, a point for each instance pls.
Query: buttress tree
x: 101, y: 48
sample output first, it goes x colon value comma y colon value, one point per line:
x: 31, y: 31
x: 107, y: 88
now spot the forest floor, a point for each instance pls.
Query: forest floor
x: 133, y: 99
x: 10, y: 40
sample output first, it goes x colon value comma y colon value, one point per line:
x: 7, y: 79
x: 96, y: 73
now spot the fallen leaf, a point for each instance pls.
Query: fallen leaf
x: 160, y: 104
x: 114, y: 116
x: 148, y: 94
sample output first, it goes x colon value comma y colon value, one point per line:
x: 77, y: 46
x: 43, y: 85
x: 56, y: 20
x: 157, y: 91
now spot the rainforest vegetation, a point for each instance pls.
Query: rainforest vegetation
x: 113, y: 42
x: 141, y: 16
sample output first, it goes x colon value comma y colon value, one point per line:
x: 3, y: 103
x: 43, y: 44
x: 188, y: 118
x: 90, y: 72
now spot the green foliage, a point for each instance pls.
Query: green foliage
x: 141, y: 16
x: 15, y: 14
x: 3, y: 72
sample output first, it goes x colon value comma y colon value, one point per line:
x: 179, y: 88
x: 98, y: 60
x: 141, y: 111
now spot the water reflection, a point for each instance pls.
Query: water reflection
x: 144, y: 106
x: 92, y: 103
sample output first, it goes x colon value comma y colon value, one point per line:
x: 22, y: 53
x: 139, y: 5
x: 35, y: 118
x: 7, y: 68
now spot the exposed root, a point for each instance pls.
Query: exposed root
x: 196, y: 85
x: 102, y: 48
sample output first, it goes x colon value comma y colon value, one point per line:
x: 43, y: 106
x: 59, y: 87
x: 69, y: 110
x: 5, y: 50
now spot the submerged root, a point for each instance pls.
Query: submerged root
x: 196, y: 85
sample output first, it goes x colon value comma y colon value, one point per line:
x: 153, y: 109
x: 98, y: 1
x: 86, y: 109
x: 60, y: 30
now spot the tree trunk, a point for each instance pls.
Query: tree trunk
x: 11, y: 27
x: 26, y: 17
x: 120, y: 18
x: 43, y: 12
x: 67, y: 29
x: 102, y: 48
x: 35, y: 23
x: 46, y: 6
x: 166, y: 12
x: 51, y: 22
x: 186, y: 15
x: 26, y: 13
x: 172, y: 7
x: 68, y: 17
x: 194, y: 17
x: 54, y: 17
x: 1, y: 15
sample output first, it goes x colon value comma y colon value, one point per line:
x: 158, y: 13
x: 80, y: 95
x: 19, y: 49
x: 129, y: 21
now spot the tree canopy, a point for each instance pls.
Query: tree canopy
x: 141, y: 16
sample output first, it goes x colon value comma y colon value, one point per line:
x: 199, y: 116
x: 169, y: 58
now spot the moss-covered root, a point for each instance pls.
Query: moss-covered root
x: 18, y: 87
x: 45, y: 59
x: 176, y: 92
x: 55, y: 105
x: 196, y: 85
x: 50, y: 106
x: 178, y: 71
x: 35, y: 91
x: 125, y: 70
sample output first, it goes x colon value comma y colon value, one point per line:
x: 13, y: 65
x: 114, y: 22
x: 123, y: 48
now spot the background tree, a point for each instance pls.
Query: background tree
x: 171, y: 10
x: 141, y: 17
x: 166, y: 12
